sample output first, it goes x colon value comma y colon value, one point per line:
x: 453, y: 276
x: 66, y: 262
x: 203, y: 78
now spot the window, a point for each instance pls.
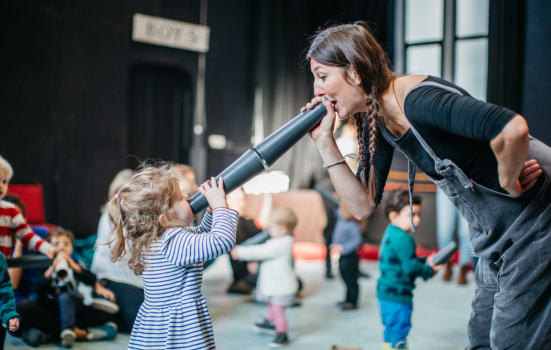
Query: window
x: 444, y: 38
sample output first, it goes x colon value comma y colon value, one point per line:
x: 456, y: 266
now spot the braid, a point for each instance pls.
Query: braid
x: 368, y: 122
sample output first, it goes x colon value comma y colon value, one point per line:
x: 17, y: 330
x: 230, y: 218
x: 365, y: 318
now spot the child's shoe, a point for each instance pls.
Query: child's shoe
x: 34, y: 337
x: 265, y: 327
x: 107, y: 331
x: 279, y: 341
x: 105, y: 305
x: 68, y: 337
x: 401, y: 345
x: 387, y: 346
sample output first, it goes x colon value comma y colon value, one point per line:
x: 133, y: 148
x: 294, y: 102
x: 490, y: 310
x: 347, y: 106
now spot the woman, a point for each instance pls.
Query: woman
x: 474, y: 151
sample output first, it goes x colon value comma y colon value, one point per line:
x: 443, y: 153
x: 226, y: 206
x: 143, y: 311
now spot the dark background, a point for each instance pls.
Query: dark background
x: 78, y: 96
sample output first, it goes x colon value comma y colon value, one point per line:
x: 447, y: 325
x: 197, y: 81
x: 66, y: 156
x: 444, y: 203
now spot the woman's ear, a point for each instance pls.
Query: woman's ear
x: 354, y: 76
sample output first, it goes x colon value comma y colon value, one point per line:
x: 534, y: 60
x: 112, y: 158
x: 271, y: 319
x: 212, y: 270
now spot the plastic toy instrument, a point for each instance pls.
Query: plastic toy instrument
x: 265, y: 154
x: 445, y: 254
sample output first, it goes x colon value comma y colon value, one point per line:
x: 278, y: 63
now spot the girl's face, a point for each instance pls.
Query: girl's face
x: 347, y: 96
x: 182, y: 209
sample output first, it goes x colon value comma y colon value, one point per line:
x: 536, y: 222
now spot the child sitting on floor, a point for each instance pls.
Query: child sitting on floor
x: 57, y: 291
x: 13, y: 226
x: 400, y: 267
x: 277, y: 282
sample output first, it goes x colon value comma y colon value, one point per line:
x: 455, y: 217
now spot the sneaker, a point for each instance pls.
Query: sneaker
x: 106, y: 331
x: 105, y: 305
x: 34, y: 337
x: 265, y: 327
x: 401, y: 345
x: 279, y: 341
x: 68, y: 338
x: 348, y: 306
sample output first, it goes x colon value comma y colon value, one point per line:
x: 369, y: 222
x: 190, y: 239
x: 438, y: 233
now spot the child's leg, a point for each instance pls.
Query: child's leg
x: 396, y: 319
x: 280, y: 321
x: 2, y: 337
x: 270, y: 316
x: 68, y: 303
x: 348, y: 266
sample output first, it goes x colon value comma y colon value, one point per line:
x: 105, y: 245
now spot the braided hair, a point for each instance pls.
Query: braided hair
x: 354, y: 46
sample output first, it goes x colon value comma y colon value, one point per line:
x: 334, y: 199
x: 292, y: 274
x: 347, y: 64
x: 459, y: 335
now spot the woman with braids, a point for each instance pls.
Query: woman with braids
x: 479, y: 154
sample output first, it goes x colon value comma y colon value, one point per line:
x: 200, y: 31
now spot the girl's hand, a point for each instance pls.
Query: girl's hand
x: 324, y: 131
x: 214, y: 193
x: 13, y: 324
x: 104, y: 292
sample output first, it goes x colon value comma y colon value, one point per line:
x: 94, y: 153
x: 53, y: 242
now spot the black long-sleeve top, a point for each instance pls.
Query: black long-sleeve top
x: 456, y: 127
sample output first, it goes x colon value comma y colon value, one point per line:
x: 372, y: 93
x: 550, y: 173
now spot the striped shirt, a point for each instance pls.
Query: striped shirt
x: 11, y: 221
x: 174, y: 314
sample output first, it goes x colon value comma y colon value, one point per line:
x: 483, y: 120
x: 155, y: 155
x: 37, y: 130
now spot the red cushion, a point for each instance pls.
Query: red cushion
x: 31, y: 197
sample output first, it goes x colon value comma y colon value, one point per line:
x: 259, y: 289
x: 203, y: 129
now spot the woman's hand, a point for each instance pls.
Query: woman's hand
x: 324, y: 131
x: 104, y: 292
x: 214, y: 193
x: 529, y: 175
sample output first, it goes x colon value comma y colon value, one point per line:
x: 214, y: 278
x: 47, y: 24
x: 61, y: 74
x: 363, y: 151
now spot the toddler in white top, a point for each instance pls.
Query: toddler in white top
x: 277, y: 282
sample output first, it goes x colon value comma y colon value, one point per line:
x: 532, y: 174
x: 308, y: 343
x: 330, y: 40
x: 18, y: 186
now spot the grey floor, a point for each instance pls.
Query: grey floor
x: 441, y: 312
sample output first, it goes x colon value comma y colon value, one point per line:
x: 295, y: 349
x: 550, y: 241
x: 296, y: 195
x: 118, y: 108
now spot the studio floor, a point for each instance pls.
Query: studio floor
x: 441, y: 312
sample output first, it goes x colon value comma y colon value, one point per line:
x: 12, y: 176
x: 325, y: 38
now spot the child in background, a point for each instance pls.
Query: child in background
x: 347, y: 238
x: 277, y: 282
x: 400, y: 267
x: 149, y: 216
x: 59, y: 295
x: 8, y: 315
x: 13, y: 224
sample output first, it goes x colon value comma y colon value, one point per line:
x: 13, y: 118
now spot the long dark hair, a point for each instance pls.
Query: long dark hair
x: 354, y: 46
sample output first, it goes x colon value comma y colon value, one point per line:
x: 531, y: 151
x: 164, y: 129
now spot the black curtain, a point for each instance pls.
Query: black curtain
x: 506, y: 48
x: 284, y: 76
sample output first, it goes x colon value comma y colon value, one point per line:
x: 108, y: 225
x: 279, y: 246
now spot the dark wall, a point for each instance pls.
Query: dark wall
x: 537, y: 70
x: 64, y: 92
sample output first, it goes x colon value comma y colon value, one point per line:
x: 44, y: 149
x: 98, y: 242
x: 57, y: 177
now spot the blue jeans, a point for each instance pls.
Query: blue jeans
x: 396, y: 320
x: 447, y: 219
x: 69, y: 303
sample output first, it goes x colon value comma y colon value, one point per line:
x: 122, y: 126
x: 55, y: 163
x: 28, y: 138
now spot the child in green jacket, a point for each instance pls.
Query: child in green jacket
x: 8, y: 315
x: 399, y: 267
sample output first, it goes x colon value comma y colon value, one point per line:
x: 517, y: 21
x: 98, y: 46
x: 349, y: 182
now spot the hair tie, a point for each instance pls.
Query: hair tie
x: 119, y: 198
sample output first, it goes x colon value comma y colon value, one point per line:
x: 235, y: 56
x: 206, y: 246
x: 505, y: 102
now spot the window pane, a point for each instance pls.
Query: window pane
x: 424, y: 20
x: 471, y: 66
x: 424, y: 59
x: 472, y: 17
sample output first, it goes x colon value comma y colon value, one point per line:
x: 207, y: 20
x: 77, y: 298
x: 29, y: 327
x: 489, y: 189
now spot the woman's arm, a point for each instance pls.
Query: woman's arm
x: 511, y: 149
x: 347, y: 185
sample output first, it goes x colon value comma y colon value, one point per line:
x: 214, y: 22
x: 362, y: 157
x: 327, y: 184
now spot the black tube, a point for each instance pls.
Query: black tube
x: 239, y: 172
x: 445, y: 254
x: 30, y: 261
x: 265, y: 154
x: 260, y: 237
x: 281, y: 140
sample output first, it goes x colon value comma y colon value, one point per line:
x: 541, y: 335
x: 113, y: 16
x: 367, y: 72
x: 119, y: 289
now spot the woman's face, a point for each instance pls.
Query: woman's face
x: 346, y: 95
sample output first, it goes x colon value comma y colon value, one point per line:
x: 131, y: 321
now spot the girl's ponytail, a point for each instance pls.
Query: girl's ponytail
x: 114, y: 211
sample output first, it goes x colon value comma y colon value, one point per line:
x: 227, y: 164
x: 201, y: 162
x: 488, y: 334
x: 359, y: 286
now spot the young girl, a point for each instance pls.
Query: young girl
x: 277, y: 282
x: 149, y: 217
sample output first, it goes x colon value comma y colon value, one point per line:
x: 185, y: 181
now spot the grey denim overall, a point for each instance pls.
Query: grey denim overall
x: 511, y: 308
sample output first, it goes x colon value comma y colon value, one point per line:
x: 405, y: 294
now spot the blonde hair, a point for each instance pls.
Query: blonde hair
x: 141, y: 212
x: 6, y: 167
x: 286, y: 217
